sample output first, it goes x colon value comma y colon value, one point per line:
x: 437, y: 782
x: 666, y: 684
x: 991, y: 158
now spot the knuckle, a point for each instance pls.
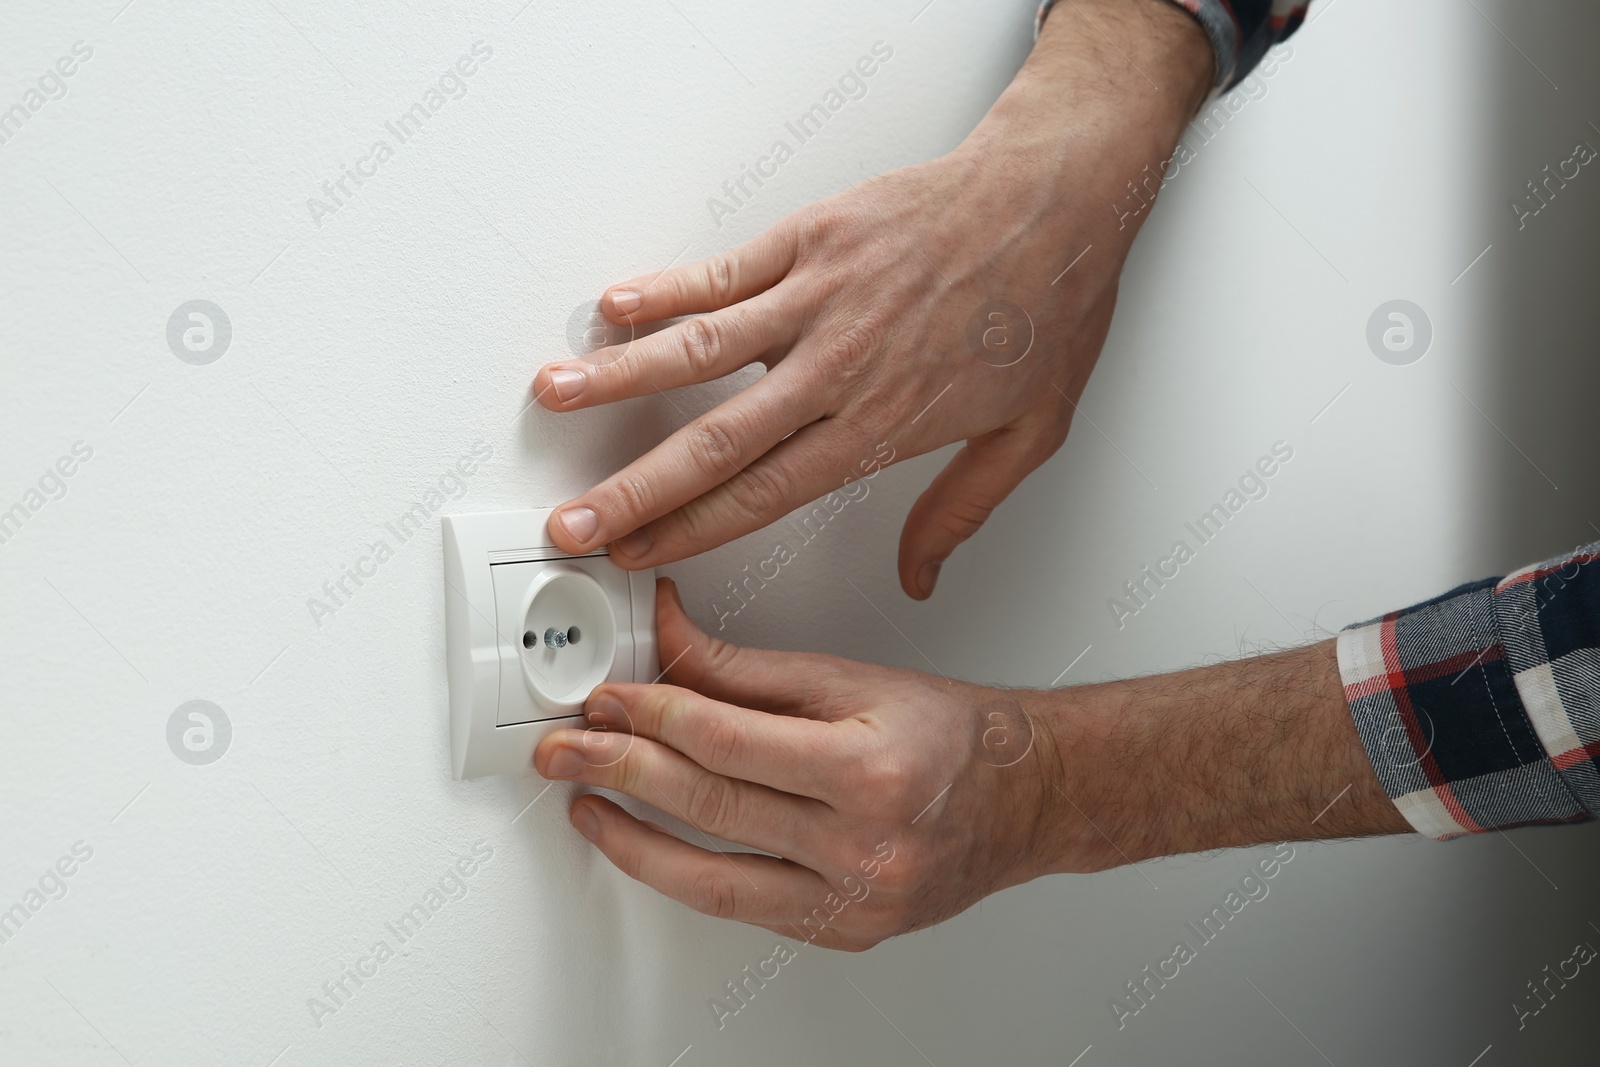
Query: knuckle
x: 714, y: 443
x: 710, y: 658
x: 703, y: 344
x: 681, y: 285
x: 757, y: 491
x: 813, y: 225
x: 962, y: 518
x: 627, y: 773
x: 724, y: 740
x: 851, y: 351
x: 708, y: 520
x: 893, y: 888
x: 720, y: 276
x: 712, y: 803
x: 633, y: 359
x: 698, y: 523
x: 712, y: 893
x: 719, y: 658
x: 820, y: 229
x: 649, y: 707
x: 634, y: 495
x: 886, y: 778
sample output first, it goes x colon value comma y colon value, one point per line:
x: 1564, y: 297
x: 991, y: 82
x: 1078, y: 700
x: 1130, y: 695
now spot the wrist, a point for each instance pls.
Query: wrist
x: 1098, y: 106
x: 1151, y: 53
x: 1106, y: 77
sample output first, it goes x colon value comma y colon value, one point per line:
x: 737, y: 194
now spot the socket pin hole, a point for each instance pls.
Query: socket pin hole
x: 529, y: 640
x: 573, y: 633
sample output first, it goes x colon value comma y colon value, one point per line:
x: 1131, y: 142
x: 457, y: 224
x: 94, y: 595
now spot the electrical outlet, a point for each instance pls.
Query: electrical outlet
x: 529, y: 632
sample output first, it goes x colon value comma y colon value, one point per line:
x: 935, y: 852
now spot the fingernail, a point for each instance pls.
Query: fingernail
x: 580, y: 523
x: 585, y: 823
x: 625, y: 301
x: 606, y: 710
x: 567, y: 383
x: 927, y: 576
x: 566, y: 763
x: 634, y: 545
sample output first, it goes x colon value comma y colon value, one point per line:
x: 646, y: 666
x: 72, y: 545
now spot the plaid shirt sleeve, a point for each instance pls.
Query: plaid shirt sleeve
x: 1240, y: 31
x: 1480, y: 709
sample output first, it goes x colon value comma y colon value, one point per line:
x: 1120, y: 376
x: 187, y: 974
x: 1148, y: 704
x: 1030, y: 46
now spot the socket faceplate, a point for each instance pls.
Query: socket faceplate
x: 529, y: 632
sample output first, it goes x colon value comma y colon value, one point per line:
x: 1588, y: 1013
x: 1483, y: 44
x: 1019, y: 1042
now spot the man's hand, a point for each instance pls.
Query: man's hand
x: 889, y: 800
x: 894, y: 799
x: 962, y: 299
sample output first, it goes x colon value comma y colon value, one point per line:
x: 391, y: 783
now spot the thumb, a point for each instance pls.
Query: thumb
x: 786, y: 683
x: 960, y: 499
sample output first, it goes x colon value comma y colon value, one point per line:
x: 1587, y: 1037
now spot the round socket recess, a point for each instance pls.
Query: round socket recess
x: 562, y: 599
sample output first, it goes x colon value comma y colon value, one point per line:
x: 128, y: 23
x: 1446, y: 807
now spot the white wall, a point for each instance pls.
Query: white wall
x: 372, y: 350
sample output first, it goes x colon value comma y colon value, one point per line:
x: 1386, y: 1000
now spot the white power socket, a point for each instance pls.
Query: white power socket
x: 529, y: 632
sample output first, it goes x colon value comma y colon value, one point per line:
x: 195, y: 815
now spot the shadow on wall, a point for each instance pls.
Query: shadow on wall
x: 1541, y: 482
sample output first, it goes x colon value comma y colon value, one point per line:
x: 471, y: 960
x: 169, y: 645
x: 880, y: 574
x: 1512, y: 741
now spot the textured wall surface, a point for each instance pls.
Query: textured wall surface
x: 380, y: 333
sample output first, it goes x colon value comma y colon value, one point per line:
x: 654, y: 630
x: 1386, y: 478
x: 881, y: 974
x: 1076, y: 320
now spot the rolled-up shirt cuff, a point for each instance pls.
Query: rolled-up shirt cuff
x: 1480, y: 709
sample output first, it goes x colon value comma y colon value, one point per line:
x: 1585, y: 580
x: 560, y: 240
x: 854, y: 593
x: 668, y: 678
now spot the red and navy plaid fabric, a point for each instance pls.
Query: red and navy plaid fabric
x: 1240, y: 31
x: 1480, y: 709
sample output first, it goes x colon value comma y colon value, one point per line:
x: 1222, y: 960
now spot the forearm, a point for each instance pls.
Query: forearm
x: 1239, y: 753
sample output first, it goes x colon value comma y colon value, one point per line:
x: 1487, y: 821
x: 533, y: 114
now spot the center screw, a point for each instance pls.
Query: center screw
x: 555, y: 638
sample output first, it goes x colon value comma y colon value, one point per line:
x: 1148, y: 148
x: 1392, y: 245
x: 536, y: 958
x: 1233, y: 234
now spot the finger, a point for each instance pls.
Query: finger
x: 694, y: 460
x: 728, y: 885
x: 700, y: 349
x: 723, y: 807
x: 795, y: 756
x: 712, y: 283
x: 813, y: 462
x: 961, y: 498
x: 788, y: 683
